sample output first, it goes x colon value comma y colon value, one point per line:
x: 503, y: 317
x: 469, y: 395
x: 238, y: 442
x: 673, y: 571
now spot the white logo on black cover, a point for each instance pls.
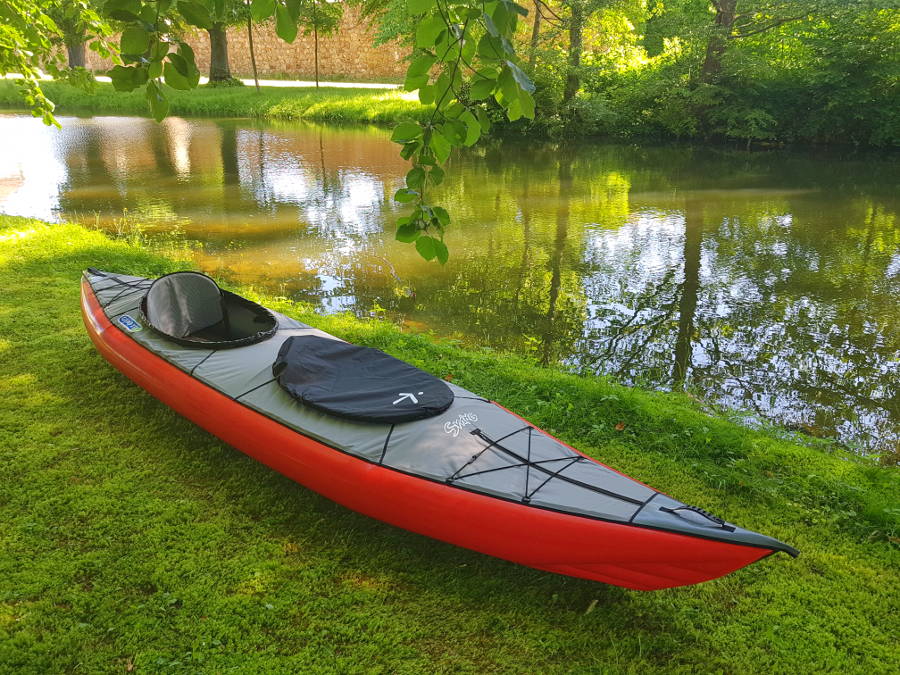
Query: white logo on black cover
x: 407, y: 396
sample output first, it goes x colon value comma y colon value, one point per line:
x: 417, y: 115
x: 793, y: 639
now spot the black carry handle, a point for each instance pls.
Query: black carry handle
x: 696, y: 509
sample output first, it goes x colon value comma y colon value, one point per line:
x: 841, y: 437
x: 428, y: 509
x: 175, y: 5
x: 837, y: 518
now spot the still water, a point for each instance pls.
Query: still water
x: 762, y: 282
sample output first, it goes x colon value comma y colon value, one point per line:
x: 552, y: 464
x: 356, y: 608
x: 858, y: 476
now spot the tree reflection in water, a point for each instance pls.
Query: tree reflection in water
x: 761, y: 281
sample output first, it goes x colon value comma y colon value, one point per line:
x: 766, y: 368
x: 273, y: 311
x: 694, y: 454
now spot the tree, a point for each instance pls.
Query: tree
x: 224, y: 13
x: 737, y: 19
x: 320, y: 17
x: 74, y: 22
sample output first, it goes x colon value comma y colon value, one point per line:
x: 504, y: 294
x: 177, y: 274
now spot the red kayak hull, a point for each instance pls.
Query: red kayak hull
x: 623, y: 555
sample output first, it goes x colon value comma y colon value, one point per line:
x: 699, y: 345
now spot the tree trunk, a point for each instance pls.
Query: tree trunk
x: 316, y: 39
x: 576, y: 24
x: 690, y: 289
x: 230, y: 161
x: 564, y: 179
x: 252, y: 52
x: 718, y: 40
x: 535, y: 35
x: 219, y: 70
x: 76, y: 55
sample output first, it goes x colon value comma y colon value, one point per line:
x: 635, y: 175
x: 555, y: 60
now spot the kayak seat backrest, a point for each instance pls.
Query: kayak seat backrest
x: 191, y: 309
x: 184, y: 303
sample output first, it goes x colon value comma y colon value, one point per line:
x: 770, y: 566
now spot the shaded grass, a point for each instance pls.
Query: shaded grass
x: 132, y: 538
x: 290, y: 103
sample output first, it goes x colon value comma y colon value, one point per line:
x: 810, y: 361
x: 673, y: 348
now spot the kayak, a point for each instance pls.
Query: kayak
x: 395, y: 443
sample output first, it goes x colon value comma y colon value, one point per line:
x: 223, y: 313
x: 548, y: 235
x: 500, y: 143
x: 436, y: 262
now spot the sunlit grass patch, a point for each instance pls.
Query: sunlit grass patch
x: 288, y: 103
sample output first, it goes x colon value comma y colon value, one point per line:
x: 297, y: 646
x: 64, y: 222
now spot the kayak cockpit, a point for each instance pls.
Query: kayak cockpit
x: 191, y: 309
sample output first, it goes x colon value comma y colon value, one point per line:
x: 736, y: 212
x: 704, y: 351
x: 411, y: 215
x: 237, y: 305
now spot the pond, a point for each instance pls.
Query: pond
x: 762, y: 282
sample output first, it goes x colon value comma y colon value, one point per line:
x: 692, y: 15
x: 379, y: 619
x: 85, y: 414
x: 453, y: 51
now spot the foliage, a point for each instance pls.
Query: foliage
x: 464, y: 55
x: 28, y: 35
x: 151, y: 546
x: 822, y: 72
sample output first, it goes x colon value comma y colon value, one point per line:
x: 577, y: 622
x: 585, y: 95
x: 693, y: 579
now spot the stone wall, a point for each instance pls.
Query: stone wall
x: 347, y: 54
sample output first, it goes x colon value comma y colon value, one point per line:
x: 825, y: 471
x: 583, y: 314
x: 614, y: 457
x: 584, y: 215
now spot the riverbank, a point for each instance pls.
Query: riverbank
x: 133, y: 539
x: 325, y: 104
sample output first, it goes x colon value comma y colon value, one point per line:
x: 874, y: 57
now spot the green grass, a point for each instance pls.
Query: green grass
x: 289, y: 103
x: 131, y: 538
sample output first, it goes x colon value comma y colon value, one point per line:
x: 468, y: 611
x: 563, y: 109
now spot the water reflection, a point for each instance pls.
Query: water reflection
x: 765, y: 282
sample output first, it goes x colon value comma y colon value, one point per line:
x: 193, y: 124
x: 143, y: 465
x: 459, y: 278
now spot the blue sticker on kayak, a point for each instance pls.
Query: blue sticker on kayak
x: 129, y: 324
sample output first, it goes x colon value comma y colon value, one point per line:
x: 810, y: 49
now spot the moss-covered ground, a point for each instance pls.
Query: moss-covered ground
x: 130, y: 540
x: 289, y: 103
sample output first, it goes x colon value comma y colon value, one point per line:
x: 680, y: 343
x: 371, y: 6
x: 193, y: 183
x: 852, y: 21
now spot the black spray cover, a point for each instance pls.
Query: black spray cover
x: 358, y: 383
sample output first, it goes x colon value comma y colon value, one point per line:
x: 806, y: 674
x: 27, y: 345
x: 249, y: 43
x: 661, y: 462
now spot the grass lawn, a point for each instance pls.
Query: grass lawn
x: 132, y: 540
x: 289, y: 103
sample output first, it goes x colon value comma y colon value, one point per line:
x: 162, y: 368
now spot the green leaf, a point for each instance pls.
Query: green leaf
x: 415, y: 179
x: 404, y: 195
x: 409, y: 149
x: 441, y: 147
x: 158, y: 50
x: 454, y: 110
x: 219, y: 9
x: 155, y: 69
x: 520, y: 77
x: 413, y: 82
x: 285, y: 26
x: 415, y: 7
x: 514, y: 110
x: 408, y: 233
x: 468, y: 49
x: 483, y: 120
x: 159, y: 104
x: 429, y: 30
x: 123, y: 10
x: 180, y: 64
x: 517, y: 8
x: 526, y: 100
x: 184, y: 49
x: 134, y: 41
x: 195, y: 14
x: 127, y: 78
x: 481, y: 89
x: 454, y: 131
x: 447, y: 48
x: 425, y: 245
x: 260, y: 10
x: 436, y: 175
x: 490, y: 47
x: 406, y: 132
x: 490, y: 25
x: 441, y: 252
x: 421, y: 65
x: 441, y: 214
x: 175, y: 78
x: 503, y: 19
x: 426, y: 94
x: 148, y: 15
x: 417, y: 73
x: 293, y: 8
x: 473, y: 128
x: 508, y: 86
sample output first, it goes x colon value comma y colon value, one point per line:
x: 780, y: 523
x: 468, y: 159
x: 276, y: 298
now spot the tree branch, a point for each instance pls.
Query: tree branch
x: 763, y: 29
